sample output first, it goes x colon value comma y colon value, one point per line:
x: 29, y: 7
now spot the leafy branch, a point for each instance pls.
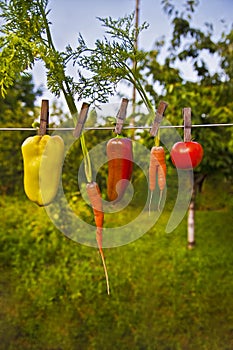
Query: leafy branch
x: 26, y: 37
x: 110, y: 61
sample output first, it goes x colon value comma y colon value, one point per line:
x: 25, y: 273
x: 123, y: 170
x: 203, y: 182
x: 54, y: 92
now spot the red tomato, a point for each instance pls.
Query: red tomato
x: 186, y: 155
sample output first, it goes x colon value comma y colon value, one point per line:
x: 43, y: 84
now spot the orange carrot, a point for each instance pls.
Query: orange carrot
x: 95, y: 198
x: 162, y: 170
x: 157, y: 168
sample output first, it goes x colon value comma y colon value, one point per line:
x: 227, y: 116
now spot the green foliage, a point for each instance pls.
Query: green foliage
x: 17, y: 110
x: 188, y: 8
x: 26, y: 38
x: 208, y: 107
x: 162, y: 295
x: 53, y: 290
x: 209, y: 96
x: 110, y: 61
x: 20, y: 40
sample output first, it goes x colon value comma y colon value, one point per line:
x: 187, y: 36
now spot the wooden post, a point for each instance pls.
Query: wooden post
x: 191, y: 209
x: 44, y: 117
x: 132, y: 119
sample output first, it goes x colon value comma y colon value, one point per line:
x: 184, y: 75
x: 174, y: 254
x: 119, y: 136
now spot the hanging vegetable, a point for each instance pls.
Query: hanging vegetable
x: 120, y: 166
x: 157, y: 167
x: 186, y: 155
x: 157, y: 171
x: 42, y: 160
x: 92, y: 187
x: 120, y: 158
x: 94, y: 196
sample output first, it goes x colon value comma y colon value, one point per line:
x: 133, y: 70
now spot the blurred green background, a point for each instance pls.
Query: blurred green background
x: 163, y: 295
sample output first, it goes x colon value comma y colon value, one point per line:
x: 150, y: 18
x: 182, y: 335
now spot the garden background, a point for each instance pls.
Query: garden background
x: 163, y: 295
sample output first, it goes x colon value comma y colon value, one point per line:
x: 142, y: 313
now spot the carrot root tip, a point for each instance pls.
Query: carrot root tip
x: 151, y: 195
x: 160, y: 199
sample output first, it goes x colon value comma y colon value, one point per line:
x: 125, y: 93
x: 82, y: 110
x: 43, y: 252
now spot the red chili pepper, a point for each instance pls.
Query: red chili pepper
x: 120, y: 166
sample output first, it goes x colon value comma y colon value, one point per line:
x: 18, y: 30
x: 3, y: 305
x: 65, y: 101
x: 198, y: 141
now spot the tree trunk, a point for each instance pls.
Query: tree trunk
x: 199, y: 180
x: 197, y: 188
x: 191, y: 220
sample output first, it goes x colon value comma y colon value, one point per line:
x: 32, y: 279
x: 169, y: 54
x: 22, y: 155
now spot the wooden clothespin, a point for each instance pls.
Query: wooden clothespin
x: 158, y: 117
x: 121, y: 116
x: 81, y: 120
x: 44, y: 118
x: 187, y: 124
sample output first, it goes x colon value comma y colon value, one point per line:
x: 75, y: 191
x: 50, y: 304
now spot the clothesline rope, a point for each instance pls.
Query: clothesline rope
x: 124, y: 127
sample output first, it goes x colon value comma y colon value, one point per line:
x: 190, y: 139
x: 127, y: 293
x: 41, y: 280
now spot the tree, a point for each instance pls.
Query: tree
x: 209, y: 96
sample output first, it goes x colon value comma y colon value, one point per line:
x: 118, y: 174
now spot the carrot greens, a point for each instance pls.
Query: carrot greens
x: 26, y: 38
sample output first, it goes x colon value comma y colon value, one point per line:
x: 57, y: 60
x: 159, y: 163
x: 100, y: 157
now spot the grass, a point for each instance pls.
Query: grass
x: 163, y: 296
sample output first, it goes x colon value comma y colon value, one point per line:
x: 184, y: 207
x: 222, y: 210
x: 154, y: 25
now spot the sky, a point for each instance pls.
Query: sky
x: 71, y: 17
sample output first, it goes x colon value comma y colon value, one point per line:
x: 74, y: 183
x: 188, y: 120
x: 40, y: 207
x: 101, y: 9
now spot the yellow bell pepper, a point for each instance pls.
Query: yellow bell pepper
x: 42, y: 159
